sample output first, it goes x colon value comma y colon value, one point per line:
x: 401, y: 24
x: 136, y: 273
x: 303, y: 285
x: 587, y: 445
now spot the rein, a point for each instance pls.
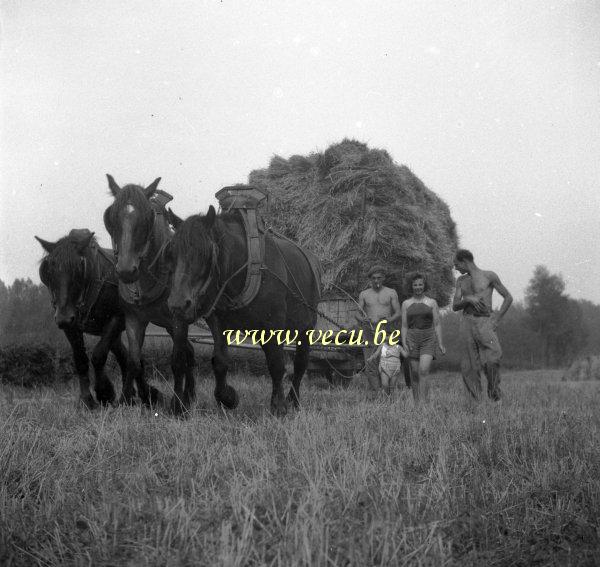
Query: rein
x: 91, y: 292
x: 207, y: 282
x: 299, y: 296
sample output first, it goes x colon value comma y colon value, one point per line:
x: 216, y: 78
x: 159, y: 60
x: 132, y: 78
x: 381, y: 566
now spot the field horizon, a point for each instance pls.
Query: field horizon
x: 350, y: 479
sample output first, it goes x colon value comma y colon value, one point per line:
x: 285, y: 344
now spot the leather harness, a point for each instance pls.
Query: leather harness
x: 132, y: 293
x: 245, y: 200
x: 91, y: 293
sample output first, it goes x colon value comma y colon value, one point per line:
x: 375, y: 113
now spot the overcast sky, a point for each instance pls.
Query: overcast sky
x: 494, y: 105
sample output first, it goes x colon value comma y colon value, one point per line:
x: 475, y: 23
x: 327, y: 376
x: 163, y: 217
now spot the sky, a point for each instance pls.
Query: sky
x: 495, y: 106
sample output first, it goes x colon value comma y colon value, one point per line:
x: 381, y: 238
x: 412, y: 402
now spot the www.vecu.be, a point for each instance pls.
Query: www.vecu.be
x: 327, y: 337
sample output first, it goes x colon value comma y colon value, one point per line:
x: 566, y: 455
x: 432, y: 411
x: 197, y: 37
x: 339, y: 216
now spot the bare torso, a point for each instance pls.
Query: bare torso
x: 378, y: 304
x: 479, y: 283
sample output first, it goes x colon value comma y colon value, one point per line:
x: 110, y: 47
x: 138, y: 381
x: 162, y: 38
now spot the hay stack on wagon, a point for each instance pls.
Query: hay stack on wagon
x: 354, y: 207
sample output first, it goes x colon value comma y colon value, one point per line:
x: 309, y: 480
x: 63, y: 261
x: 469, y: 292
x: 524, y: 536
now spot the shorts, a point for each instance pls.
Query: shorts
x: 420, y: 342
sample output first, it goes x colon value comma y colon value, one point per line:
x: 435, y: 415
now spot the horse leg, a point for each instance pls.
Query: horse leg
x: 105, y: 393
x: 189, y: 393
x: 224, y: 393
x: 301, y: 357
x: 276, y: 364
x: 148, y: 394
x: 120, y: 352
x: 80, y: 359
x: 180, y: 402
x: 135, y: 371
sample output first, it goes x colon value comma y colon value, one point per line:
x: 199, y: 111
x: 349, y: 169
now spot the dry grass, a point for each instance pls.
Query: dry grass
x: 345, y: 481
x: 353, y: 207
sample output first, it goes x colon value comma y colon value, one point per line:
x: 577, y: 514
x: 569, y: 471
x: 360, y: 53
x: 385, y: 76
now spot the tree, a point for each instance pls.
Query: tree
x: 522, y: 345
x: 3, y: 301
x: 26, y: 314
x: 555, y: 316
x: 590, y: 315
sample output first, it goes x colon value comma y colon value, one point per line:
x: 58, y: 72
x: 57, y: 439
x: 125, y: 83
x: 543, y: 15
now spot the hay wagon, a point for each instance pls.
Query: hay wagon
x: 336, y: 363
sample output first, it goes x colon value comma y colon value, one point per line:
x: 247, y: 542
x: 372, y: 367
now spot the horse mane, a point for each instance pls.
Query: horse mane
x: 193, y: 242
x: 65, y: 255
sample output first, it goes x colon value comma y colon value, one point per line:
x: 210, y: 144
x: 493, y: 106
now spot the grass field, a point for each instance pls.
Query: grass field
x: 346, y: 481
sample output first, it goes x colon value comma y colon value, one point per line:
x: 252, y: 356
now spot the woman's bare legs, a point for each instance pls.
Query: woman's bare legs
x: 420, y: 377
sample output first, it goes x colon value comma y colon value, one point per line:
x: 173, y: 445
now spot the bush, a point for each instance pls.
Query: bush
x: 30, y: 365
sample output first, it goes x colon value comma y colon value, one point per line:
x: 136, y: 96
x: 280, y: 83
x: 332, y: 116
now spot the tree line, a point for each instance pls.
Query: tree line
x: 547, y: 329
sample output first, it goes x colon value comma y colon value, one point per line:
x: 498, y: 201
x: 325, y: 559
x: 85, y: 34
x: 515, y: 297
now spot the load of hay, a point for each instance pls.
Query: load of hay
x: 354, y: 207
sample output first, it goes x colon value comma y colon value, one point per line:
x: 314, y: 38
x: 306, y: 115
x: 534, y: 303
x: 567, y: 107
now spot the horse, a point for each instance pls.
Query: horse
x: 208, y: 258
x: 139, y: 230
x: 83, y: 288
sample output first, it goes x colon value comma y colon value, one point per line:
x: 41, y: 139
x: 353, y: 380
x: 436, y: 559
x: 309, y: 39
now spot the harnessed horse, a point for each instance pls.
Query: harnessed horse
x: 140, y: 231
x: 82, y: 282
x: 209, y: 259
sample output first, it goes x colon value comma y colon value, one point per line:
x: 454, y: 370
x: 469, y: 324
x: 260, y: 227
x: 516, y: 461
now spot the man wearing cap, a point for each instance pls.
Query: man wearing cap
x: 377, y: 303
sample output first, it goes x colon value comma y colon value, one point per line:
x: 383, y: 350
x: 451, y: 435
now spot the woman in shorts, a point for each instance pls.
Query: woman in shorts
x: 420, y: 328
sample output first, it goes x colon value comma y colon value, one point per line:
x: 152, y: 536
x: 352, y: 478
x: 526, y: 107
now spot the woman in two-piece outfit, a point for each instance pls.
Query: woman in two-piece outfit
x: 420, y: 328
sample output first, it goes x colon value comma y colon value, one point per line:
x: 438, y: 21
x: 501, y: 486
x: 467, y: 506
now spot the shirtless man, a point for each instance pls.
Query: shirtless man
x: 377, y: 302
x: 480, y: 347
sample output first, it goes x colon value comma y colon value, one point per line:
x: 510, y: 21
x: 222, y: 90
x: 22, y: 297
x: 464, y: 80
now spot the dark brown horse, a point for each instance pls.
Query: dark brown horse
x: 82, y: 282
x: 139, y: 230
x: 208, y: 256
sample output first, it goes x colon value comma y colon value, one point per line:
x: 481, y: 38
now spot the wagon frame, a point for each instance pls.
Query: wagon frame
x: 337, y: 363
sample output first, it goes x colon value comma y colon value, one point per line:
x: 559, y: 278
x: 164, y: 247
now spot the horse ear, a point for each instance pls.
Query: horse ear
x: 210, y: 217
x: 173, y: 219
x: 112, y: 184
x: 149, y: 191
x: 83, y: 244
x: 47, y: 246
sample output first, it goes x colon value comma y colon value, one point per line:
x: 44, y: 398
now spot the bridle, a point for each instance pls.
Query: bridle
x: 145, y: 249
x: 91, y: 287
x: 213, y: 277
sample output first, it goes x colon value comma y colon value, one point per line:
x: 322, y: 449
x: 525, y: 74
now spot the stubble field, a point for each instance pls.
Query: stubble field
x: 348, y: 480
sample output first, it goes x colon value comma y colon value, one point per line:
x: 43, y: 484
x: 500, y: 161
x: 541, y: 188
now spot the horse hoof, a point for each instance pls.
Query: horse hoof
x: 154, y: 395
x: 88, y: 402
x: 188, y: 400
x: 279, y: 410
x: 126, y: 400
x: 105, y: 395
x: 227, y: 397
x: 292, y: 399
x: 178, y: 406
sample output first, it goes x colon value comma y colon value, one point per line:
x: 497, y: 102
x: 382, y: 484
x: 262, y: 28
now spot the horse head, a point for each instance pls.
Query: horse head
x: 129, y: 221
x: 64, y: 272
x: 192, y: 256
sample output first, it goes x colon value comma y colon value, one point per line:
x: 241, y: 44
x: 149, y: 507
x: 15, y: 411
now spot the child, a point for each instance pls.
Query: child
x: 390, y: 365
